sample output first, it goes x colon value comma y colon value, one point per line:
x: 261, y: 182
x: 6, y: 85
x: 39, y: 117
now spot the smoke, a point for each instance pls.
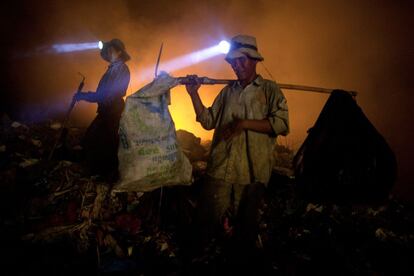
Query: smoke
x: 365, y: 46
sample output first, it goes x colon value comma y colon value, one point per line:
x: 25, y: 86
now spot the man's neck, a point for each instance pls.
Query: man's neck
x: 247, y: 81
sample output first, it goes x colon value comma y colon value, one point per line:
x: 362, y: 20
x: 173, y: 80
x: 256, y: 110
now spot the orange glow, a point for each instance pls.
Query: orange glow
x: 306, y: 106
x: 363, y: 46
x: 182, y: 111
x: 294, y: 48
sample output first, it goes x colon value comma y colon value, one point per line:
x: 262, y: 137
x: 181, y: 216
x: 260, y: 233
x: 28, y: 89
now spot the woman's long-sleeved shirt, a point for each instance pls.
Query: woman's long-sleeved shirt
x: 111, y: 88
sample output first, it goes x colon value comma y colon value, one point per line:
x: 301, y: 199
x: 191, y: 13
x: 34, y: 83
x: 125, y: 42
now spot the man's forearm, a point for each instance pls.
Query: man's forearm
x: 197, y: 104
x: 262, y: 126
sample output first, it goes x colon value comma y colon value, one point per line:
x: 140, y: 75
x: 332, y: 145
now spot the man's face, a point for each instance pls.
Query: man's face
x: 114, y: 54
x: 244, y: 67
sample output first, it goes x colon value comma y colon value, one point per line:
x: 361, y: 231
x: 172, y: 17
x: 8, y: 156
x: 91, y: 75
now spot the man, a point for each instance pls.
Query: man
x: 247, y: 116
x: 101, y: 138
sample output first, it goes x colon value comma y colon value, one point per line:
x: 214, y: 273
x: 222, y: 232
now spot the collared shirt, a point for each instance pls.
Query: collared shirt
x: 248, y: 157
x: 113, y: 85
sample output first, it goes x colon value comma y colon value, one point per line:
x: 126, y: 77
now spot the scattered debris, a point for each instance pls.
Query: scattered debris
x: 56, y: 126
x: 57, y: 204
x: 16, y: 124
x: 37, y: 143
x: 312, y: 207
x: 384, y: 234
x: 28, y: 162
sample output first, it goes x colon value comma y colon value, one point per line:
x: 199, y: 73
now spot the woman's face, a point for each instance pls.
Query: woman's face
x: 114, y: 54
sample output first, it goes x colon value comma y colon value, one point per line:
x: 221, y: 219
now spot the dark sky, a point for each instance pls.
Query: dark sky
x: 365, y: 46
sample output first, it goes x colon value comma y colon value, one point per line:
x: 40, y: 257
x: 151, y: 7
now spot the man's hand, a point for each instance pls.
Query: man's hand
x: 236, y: 127
x: 192, y: 89
x: 233, y: 129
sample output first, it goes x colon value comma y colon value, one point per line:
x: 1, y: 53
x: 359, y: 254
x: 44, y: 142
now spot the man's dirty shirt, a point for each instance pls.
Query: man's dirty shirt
x: 248, y: 157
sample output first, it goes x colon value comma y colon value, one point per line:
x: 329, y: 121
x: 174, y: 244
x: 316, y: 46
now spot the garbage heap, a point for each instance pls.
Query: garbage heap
x: 56, y: 219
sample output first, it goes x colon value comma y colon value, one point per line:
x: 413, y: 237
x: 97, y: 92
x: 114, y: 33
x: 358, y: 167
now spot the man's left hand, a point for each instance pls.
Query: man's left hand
x: 233, y: 129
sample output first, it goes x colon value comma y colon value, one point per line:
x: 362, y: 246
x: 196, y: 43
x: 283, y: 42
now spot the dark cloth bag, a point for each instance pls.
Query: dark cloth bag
x: 344, y: 158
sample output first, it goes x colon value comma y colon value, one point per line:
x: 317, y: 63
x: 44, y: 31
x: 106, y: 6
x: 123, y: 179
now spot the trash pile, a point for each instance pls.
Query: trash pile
x: 55, y: 219
x: 54, y: 202
x: 302, y: 237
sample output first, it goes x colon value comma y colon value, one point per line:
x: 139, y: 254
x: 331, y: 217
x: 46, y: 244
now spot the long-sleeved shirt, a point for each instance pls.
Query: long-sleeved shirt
x: 112, y: 87
x: 248, y: 157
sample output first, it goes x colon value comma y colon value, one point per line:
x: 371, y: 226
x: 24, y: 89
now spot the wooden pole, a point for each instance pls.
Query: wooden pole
x: 310, y: 88
x: 208, y: 81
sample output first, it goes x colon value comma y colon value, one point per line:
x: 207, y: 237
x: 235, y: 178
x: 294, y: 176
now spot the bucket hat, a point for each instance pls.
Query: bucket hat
x: 118, y: 45
x: 243, y: 45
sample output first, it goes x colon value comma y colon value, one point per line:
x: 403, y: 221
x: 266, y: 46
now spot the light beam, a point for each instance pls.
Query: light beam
x: 187, y: 60
x: 224, y: 46
x: 76, y: 47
